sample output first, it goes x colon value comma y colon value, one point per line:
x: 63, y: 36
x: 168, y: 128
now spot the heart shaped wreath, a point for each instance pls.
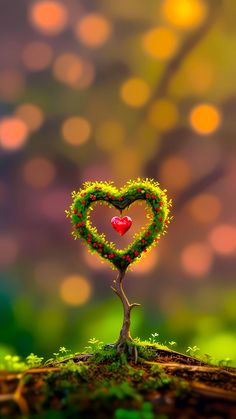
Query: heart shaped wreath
x: 105, y: 192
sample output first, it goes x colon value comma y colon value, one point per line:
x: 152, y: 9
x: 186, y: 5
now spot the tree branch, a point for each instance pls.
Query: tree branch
x: 187, y: 46
x: 199, y: 186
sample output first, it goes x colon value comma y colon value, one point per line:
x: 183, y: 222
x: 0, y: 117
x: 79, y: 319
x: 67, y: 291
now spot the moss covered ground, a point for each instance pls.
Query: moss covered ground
x: 99, y: 383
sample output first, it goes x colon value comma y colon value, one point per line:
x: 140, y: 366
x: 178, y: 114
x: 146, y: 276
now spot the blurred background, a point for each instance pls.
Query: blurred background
x: 112, y: 91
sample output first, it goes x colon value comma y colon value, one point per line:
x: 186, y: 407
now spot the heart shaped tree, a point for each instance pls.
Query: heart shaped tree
x: 157, y: 202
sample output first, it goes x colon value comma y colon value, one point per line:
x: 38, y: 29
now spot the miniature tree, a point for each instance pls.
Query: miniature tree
x: 105, y: 192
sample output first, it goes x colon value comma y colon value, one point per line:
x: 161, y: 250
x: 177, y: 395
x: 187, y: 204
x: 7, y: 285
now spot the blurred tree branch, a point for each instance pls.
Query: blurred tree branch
x: 199, y: 186
x: 173, y: 66
x: 188, y: 45
x: 161, y: 90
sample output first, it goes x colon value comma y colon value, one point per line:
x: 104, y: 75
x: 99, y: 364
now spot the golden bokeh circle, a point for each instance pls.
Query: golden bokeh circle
x: 205, y: 118
x: 75, y: 290
x: 184, y: 14
x: 135, y: 92
x: 76, y: 130
x: 160, y: 43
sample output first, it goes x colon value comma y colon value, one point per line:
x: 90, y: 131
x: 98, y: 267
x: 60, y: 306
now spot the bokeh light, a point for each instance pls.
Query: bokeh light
x: 205, y: 119
x: 13, y: 133
x: 184, y: 14
x: 75, y: 290
x: 175, y: 173
x: 197, y: 259
x: 109, y: 134
x: 48, y: 16
x: 12, y: 84
x: 223, y: 239
x: 76, y: 130
x: 39, y: 172
x: 37, y: 56
x: 160, y: 43
x: 9, y: 249
x: 67, y: 68
x: 163, y: 114
x: 135, y: 92
x: 31, y: 114
x: 93, y: 30
x: 73, y: 70
x: 205, y: 208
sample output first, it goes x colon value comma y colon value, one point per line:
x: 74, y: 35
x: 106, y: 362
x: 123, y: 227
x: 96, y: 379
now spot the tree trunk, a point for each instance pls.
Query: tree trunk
x: 125, y: 336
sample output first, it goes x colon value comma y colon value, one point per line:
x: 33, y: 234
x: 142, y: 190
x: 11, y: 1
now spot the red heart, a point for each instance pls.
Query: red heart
x: 121, y: 225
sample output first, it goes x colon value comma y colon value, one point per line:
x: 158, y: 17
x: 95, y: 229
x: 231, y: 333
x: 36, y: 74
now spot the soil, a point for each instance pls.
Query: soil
x: 165, y: 384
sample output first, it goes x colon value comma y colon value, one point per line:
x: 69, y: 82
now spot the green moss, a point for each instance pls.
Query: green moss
x: 100, y: 353
x: 106, y: 353
x: 103, y: 382
x: 150, y: 344
x: 118, y: 391
x: 145, y: 412
x: 146, y: 349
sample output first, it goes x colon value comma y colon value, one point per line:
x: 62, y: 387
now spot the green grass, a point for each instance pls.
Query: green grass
x: 101, y: 353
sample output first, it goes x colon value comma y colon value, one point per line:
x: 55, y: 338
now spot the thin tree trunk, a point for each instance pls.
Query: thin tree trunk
x: 125, y: 335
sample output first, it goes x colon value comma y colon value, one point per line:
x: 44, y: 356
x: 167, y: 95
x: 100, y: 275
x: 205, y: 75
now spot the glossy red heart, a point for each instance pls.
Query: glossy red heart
x: 121, y: 224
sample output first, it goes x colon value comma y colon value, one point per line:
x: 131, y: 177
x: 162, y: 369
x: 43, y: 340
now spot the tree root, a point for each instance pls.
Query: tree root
x: 128, y: 348
x: 212, y: 392
x: 75, y: 358
x: 174, y: 366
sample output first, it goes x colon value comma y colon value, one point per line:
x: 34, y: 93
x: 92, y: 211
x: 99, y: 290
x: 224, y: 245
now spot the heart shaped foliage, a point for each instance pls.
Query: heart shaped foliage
x: 105, y: 192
